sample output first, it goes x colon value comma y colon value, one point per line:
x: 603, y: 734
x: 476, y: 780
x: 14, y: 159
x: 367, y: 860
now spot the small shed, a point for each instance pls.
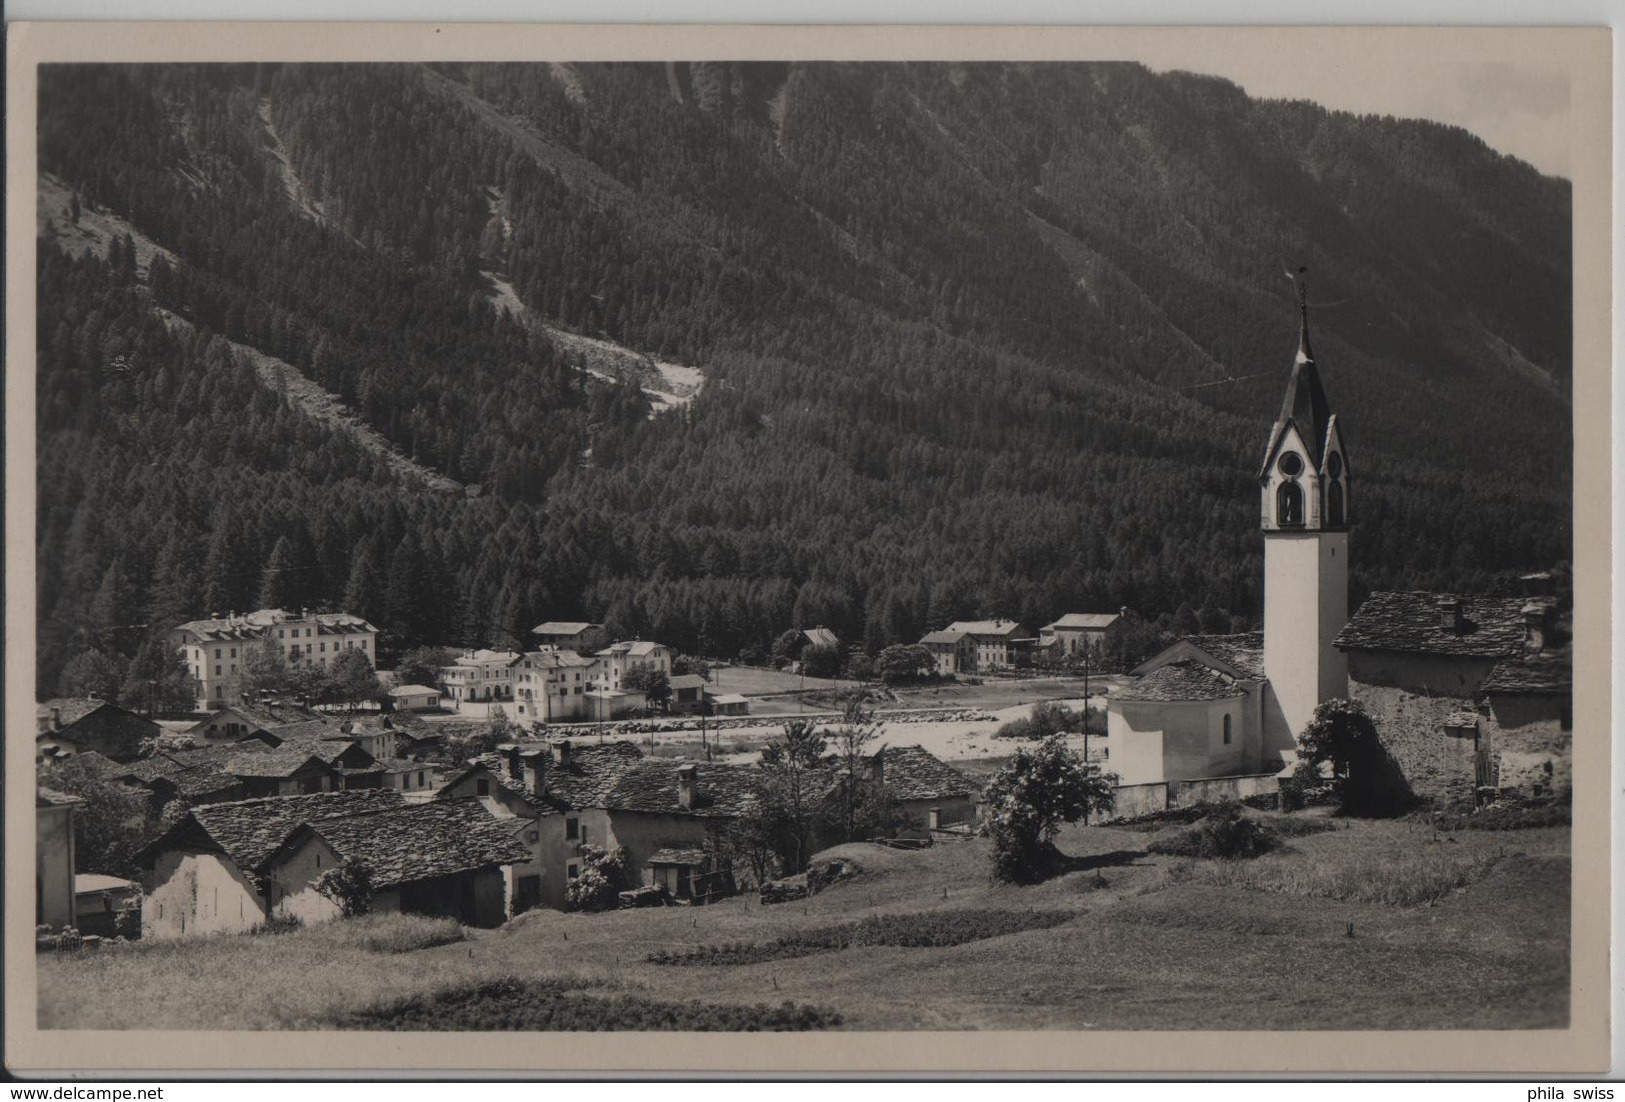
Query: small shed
x: 730, y: 704
x: 99, y: 900
x: 415, y: 698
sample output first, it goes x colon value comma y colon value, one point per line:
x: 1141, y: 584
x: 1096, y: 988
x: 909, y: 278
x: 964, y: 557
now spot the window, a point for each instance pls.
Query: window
x: 421, y: 781
x: 322, y: 647
x: 217, y: 652
x: 534, y: 835
x: 234, y: 652
x: 574, y: 871
x: 1289, y: 506
x: 217, y: 669
x: 482, y: 787
x: 1334, y: 504
x: 1227, y: 728
x: 572, y: 828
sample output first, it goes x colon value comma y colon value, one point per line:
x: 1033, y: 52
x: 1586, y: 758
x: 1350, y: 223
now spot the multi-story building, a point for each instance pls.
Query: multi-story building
x: 968, y: 646
x: 481, y: 675
x: 619, y: 659
x: 551, y: 686
x: 215, y: 649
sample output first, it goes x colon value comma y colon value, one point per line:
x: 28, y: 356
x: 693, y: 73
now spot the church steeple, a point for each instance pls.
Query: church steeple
x: 1305, y: 473
x: 1305, y: 516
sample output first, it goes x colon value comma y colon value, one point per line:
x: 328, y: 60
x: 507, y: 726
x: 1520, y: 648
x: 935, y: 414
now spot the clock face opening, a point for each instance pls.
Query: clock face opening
x: 1290, y: 465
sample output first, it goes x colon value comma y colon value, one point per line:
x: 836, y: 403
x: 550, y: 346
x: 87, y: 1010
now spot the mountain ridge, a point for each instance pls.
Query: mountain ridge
x: 975, y: 338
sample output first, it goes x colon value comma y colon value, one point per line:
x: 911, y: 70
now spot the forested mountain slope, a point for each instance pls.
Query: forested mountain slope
x: 975, y: 339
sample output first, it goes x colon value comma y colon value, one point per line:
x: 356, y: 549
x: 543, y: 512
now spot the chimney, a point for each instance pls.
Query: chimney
x: 685, y: 786
x: 535, y: 765
x: 510, y: 752
x: 1123, y: 611
x: 1450, y: 614
x: 561, y: 751
x: 1534, y: 627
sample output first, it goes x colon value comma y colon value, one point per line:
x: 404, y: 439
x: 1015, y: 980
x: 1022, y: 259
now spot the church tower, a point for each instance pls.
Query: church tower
x: 1304, y: 498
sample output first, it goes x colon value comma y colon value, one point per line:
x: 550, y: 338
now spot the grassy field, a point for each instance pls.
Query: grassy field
x: 1374, y: 925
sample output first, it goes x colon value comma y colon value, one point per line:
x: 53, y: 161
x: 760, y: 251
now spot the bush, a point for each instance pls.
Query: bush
x: 931, y: 929
x: 1226, y: 833
x: 349, y: 886
x: 1028, y: 800
x: 598, y: 887
x: 556, y: 1005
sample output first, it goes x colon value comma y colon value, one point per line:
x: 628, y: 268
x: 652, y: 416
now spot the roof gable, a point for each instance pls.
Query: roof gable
x: 1410, y: 623
x: 1184, y: 680
x: 1240, y: 655
x: 416, y: 841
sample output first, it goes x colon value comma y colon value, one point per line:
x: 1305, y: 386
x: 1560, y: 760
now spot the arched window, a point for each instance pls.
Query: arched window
x: 1289, y: 506
x: 1334, y: 504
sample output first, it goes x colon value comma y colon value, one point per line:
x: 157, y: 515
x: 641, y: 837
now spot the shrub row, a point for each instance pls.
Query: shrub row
x: 554, y: 1005
x: 932, y: 929
x: 1507, y: 817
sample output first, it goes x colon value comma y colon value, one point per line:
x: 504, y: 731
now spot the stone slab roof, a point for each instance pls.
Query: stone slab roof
x: 651, y: 786
x: 677, y: 855
x: 271, y: 763
x: 1410, y: 623
x: 249, y: 831
x: 420, y: 841
x: 1186, y: 680
x: 914, y: 773
x: 1244, y: 650
x: 943, y: 637
x: 1548, y: 673
x: 71, y: 709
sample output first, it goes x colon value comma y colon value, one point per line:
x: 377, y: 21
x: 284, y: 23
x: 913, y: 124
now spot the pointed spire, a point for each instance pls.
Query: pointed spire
x: 1305, y: 405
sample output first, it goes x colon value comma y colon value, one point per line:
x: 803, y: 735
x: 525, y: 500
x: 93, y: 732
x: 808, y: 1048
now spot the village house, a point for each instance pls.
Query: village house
x: 1080, y: 634
x: 575, y: 635
x: 619, y: 659
x: 821, y: 637
x: 214, y: 649
x: 54, y: 858
x: 687, y: 694
x: 444, y: 857
x: 205, y: 874
x: 607, y: 796
x: 929, y: 792
x: 981, y: 646
x: 237, y: 720
x: 1468, y: 691
x: 99, y: 901
x: 479, y: 676
x: 551, y: 686
x: 953, y: 652
x: 414, y: 698
x: 73, y: 725
x: 167, y: 776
